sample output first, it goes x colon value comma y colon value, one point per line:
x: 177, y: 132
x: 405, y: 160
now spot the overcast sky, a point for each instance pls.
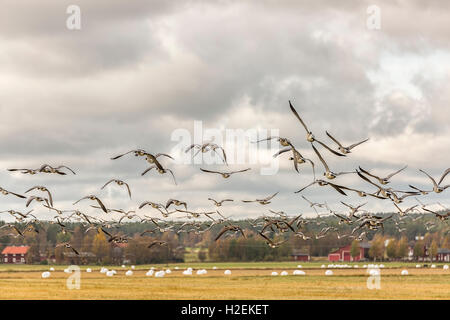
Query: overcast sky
x: 138, y: 72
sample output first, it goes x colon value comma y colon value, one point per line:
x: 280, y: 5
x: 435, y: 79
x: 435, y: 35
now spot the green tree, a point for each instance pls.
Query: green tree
x: 202, y: 255
x: 355, y: 249
x: 376, y: 250
x: 101, y: 248
x: 419, y: 249
x: 433, y: 250
x: 391, y: 249
x: 402, y: 248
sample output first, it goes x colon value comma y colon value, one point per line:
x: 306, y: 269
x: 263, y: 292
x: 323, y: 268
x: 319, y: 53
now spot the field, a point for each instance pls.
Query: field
x: 248, y: 281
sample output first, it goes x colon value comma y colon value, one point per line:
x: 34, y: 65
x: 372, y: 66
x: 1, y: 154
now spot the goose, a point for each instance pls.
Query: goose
x: 119, y: 183
x: 25, y: 171
x: 315, y: 204
x: 19, y: 233
x: 208, y: 146
x: 219, y: 203
x: 225, y: 175
x: 128, y: 216
x: 341, y: 148
x: 399, y: 199
x: 302, y: 235
x: 94, y: 198
x: 160, y: 170
x: 423, y: 192
x: 157, y: 243
x: 404, y: 212
x: 441, y: 217
x: 229, y: 228
x: 309, y: 135
x: 152, y: 204
x: 37, y: 199
x: 176, y: 203
x: 283, y: 141
x: 49, y: 169
x: 19, y: 215
x: 137, y: 153
x: 353, y: 210
x: 385, y: 193
x: 262, y: 201
x: 437, y: 188
x: 67, y: 245
x: 152, y: 159
x: 270, y: 243
x: 329, y: 174
x: 43, y: 189
x: 6, y: 192
x: 297, y: 158
x: 385, y: 180
x: 322, y: 183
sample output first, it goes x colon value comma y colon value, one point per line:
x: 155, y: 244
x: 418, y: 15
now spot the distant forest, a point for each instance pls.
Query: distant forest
x: 94, y: 248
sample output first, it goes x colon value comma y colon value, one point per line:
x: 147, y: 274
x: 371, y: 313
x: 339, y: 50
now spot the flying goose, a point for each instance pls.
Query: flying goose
x: 353, y: 209
x: 37, y: 199
x: 119, y: 183
x: 283, y: 141
x: 315, y: 204
x: 25, y: 171
x: 341, y: 148
x: 437, y: 188
x: 272, y: 244
x: 297, y: 158
x: 94, y: 198
x: 208, y: 146
x: 383, y: 180
x: 262, y: 201
x: 225, y: 175
x: 329, y: 174
x: 219, y: 203
x: 67, y: 245
x: 157, y: 243
x: 176, y: 203
x: 384, y: 192
x: 152, y: 204
x: 404, y: 212
x: 441, y: 217
x: 322, y: 183
x: 160, y: 169
x: 6, y: 192
x: 309, y: 135
x: 229, y: 228
x: 49, y: 169
x: 43, y: 189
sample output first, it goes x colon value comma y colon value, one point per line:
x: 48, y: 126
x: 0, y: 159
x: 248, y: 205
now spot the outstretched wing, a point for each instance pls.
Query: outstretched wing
x: 331, y: 137
x: 431, y: 178
x: 357, y: 144
x: 394, y: 173
x: 298, y: 117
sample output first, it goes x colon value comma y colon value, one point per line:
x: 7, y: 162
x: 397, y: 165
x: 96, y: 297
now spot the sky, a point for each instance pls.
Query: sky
x: 148, y: 74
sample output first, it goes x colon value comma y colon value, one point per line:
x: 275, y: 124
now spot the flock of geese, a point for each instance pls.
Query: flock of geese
x: 268, y: 227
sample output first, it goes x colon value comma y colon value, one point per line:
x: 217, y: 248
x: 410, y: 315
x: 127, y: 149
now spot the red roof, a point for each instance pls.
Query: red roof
x: 16, y: 250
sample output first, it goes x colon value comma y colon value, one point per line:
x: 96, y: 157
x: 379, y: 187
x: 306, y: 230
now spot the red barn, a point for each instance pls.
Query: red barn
x: 443, y: 255
x: 343, y: 254
x: 299, y: 255
x: 13, y: 254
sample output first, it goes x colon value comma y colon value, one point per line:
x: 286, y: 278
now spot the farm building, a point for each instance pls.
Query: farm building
x: 299, y: 255
x: 343, y: 253
x: 15, y: 254
x: 443, y: 255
